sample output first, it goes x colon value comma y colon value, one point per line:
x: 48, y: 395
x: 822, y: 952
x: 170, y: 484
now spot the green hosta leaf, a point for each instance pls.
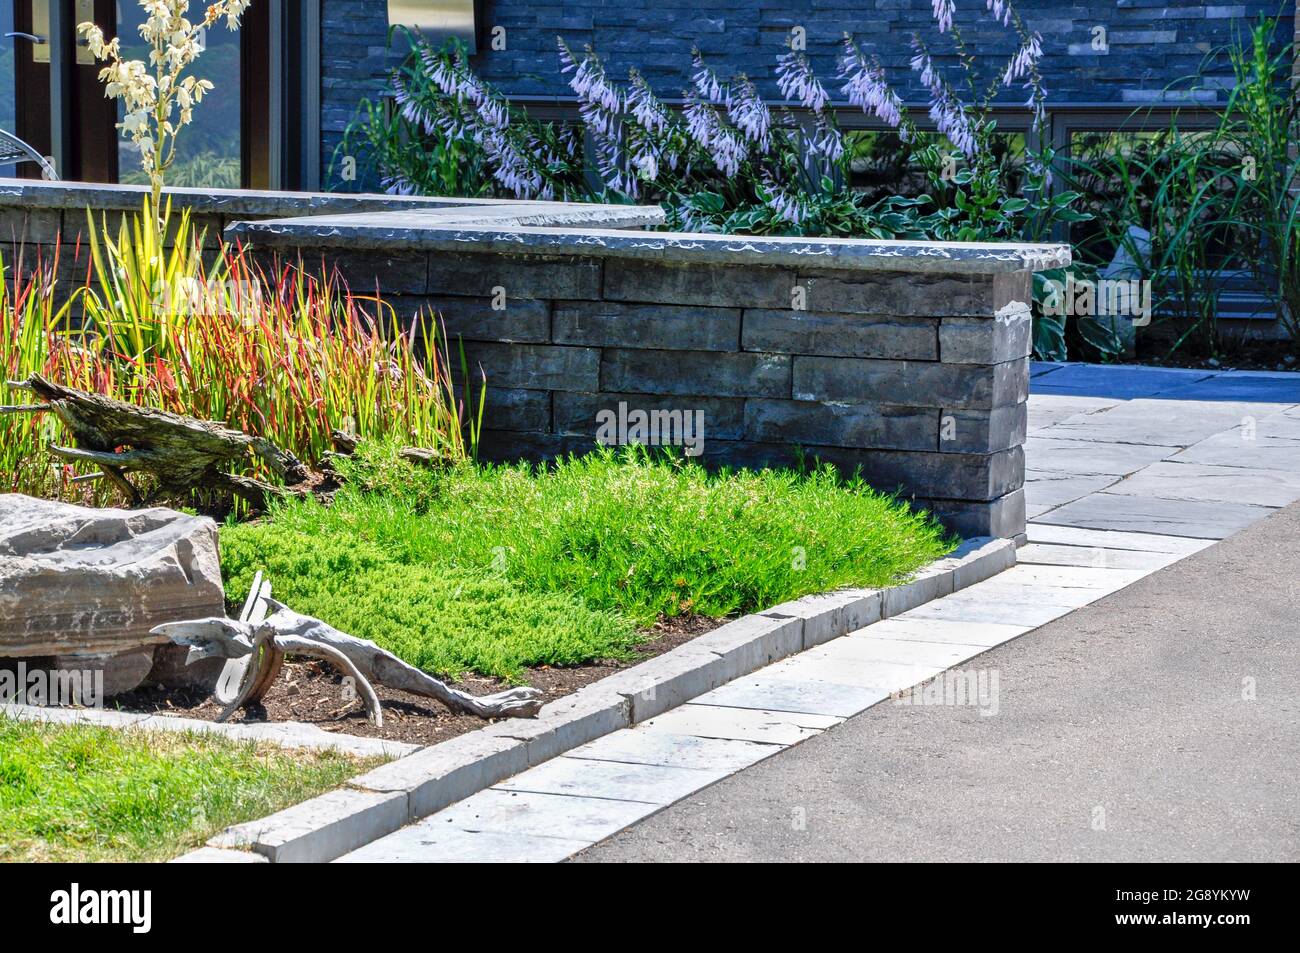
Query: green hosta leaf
x: 1049, y: 338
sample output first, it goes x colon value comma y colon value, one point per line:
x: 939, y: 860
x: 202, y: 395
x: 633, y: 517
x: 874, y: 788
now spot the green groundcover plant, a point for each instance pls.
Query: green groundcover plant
x: 496, y: 568
x: 85, y: 793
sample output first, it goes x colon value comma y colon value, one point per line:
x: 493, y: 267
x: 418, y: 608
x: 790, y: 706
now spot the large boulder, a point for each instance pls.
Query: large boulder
x: 88, y: 584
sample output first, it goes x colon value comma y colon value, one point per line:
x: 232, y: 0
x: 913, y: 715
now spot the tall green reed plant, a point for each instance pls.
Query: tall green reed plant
x: 1263, y: 131
x: 1217, y: 202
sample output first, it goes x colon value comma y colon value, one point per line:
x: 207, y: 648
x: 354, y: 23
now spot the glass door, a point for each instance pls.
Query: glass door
x: 49, y: 90
x: 25, y: 78
x: 8, y: 79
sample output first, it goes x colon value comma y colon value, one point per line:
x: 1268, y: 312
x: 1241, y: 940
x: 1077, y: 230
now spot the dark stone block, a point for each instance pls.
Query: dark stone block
x: 703, y: 373
x: 506, y: 408
x: 839, y: 335
x: 899, y: 293
x: 911, y: 384
x: 973, y: 477
x: 724, y: 418
x: 523, y: 320
x: 535, y: 366
x: 481, y: 275
x: 1003, y: 517
x: 670, y: 327
x: 391, y: 274
x: 845, y: 425
x: 719, y: 285
x: 983, y: 431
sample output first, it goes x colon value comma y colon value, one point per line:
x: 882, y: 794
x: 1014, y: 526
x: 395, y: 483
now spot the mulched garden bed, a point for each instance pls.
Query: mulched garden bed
x: 310, y: 692
x: 1239, y: 356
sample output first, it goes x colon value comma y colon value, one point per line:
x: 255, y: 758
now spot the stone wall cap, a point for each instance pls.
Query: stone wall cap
x: 39, y: 194
x: 459, y: 232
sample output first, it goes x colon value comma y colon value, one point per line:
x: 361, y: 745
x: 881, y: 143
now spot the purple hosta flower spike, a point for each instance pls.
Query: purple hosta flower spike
x: 826, y: 141
x: 921, y: 63
x: 589, y: 81
x: 1024, y: 59
x: 951, y: 120
x: 600, y: 104
x: 784, y: 204
x: 795, y: 79
x: 706, y: 81
x: 866, y: 88
x: 658, y: 133
x: 724, y: 147
x: 943, y: 13
x: 750, y: 114
x: 1001, y: 10
x: 645, y: 107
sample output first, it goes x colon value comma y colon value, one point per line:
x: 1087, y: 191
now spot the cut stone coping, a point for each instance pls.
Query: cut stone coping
x: 34, y: 194
x: 432, y: 232
x: 393, y: 795
x: 286, y: 734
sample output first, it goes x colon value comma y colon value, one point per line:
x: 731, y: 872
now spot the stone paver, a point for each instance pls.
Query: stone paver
x: 1232, y: 450
x: 430, y: 842
x: 744, y: 724
x: 1126, y: 383
x: 1159, y: 422
x: 1157, y: 515
x: 1215, y: 484
x: 1089, y: 457
x: 1048, y: 555
x: 1111, y: 539
x: 909, y: 628
x: 1266, y: 388
x: 1048, y: 489
x: 1129, y: 470
x: 764, y: 692
x: 540, y: 815
x: 644, y: 744
x: 1050, y: 409
x: 580, y: 777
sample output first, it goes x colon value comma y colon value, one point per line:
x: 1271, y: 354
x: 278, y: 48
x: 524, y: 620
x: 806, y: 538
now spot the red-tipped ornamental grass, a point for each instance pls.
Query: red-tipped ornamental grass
x: 287, y: 352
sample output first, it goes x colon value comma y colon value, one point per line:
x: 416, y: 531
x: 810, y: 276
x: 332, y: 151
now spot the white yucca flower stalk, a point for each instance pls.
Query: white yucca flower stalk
x: 158, y: 99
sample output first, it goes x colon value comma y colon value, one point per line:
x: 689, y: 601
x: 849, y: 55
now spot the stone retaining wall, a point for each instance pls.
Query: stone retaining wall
x: 906, y: 361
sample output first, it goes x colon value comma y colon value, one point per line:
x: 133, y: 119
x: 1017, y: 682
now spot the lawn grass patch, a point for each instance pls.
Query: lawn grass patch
x: 87, y: 793
x: 494, y: 568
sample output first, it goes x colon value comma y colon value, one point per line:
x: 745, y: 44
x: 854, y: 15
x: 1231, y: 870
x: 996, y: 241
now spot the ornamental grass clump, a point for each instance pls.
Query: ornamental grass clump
x: 289, y: 356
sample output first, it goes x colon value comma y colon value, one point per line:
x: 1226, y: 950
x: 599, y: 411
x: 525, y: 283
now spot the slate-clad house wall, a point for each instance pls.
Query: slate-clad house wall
x: 1151, y: 43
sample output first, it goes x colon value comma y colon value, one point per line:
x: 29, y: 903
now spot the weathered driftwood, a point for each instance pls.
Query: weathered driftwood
x: 262, y: 643
x: 181, y: 453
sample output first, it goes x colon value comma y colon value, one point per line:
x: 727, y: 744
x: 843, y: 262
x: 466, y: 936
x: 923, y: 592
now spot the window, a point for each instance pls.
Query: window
x: 209, y: 150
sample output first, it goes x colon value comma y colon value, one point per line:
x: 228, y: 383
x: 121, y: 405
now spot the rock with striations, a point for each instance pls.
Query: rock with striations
x: 88, y: 584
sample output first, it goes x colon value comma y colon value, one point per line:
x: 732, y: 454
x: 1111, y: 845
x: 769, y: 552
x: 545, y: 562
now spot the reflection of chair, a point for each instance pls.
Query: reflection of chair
x: 14, y: 150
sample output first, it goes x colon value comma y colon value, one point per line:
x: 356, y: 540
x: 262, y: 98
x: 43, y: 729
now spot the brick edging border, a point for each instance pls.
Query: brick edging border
x: 393, y: 795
